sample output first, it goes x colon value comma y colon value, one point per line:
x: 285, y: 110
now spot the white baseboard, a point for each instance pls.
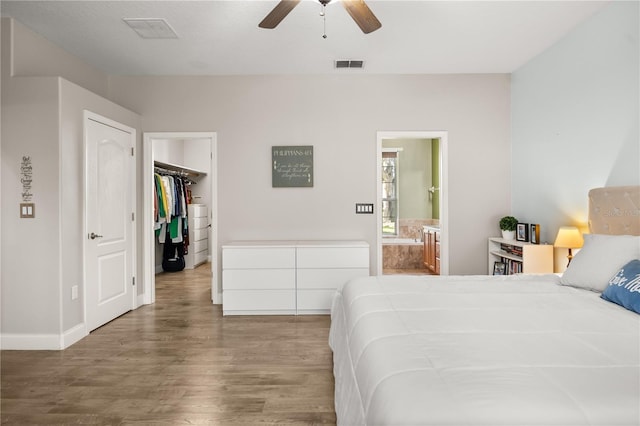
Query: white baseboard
x: 53, y: 342
x: 74, y: 335
x: 11, y: 341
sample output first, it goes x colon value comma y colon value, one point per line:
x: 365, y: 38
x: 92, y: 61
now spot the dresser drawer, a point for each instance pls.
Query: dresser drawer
x: 199, y: 234
x: 258, y: 279
x: 200, y: 257
x: 333, y: 257
x: 198, y: 246
x: 200, y: 222
x: 268, y: 301
x: 198, y: 210
x: 327, y: 278
x: 315, y: 301
x: 258, y: 258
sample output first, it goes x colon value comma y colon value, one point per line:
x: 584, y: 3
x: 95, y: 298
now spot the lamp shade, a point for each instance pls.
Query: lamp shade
x: 568, y: 237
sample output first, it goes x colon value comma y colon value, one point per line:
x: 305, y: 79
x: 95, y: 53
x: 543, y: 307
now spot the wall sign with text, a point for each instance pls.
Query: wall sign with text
x: 292, y: 166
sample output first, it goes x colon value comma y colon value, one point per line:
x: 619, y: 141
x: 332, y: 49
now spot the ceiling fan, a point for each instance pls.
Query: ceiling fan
x: 358, y: 10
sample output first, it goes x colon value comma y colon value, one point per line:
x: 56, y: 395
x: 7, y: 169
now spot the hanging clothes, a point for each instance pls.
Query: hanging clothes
x: 171, y: 210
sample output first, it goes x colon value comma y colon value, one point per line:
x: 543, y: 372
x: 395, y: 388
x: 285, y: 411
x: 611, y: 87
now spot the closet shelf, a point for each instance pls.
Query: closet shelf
x: 179, y: 169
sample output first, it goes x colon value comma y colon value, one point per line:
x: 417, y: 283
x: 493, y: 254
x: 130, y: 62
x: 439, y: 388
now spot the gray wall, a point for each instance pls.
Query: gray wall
x: 31, y: 267
x: 42, y: 258
x: 339, y: 116
x: 33, y: 56
x: 575, y: 120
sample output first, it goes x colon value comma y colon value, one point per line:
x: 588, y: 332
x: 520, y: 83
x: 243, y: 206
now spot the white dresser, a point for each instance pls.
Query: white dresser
x: 198, y: 236
x: 288, y: 277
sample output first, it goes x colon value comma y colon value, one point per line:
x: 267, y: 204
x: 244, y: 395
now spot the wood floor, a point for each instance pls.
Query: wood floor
x: 178, y: 362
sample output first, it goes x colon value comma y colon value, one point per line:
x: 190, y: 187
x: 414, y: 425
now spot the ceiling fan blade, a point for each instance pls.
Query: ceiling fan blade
x: 278, y: 13
x: 363, y: 16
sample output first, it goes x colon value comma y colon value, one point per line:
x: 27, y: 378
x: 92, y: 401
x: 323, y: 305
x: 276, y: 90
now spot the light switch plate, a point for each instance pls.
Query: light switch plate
x: 364, y: 208
x: 27, y: 210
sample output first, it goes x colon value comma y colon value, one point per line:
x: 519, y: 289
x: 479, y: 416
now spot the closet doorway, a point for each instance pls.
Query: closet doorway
x: 194, y: 155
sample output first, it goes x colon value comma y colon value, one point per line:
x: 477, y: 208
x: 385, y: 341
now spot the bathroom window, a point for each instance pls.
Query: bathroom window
x: 390, y: 193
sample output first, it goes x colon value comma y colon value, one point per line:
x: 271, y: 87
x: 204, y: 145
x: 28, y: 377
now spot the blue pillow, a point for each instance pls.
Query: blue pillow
x: 624, y: 287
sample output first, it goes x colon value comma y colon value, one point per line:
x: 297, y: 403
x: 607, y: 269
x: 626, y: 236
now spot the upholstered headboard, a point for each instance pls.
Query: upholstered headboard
x: 615, y: 210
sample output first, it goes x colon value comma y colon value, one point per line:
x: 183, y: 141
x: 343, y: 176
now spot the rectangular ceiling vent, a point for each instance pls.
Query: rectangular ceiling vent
x: 151, y: 27
x: 349, y: 64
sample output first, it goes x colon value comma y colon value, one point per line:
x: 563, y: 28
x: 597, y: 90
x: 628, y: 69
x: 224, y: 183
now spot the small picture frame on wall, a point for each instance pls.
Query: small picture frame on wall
x: 292, y: 166
x: 534, y: 233
x: 499, y: 268
x: 522, y: 232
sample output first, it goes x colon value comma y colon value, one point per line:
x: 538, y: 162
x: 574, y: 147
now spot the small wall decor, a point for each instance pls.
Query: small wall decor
x: 26, y: 178
x: 292, y: 166
x: 522, y: 232
x: 27, y: 207
x: 534, y: 233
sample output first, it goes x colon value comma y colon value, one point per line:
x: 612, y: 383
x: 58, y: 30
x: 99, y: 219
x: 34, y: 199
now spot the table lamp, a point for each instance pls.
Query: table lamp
x: 568, y: 237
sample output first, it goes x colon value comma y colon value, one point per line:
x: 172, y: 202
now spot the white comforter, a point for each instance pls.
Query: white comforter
x: 518, y: 350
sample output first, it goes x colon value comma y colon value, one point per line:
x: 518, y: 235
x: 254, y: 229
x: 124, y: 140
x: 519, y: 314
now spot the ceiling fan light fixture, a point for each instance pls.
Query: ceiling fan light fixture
x: 357, y: 9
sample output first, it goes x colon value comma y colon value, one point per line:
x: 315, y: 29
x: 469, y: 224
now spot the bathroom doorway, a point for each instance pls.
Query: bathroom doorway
x: 412, y: 203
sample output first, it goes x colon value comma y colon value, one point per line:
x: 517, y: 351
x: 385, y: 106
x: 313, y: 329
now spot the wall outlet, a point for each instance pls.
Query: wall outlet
x: 74, y: 292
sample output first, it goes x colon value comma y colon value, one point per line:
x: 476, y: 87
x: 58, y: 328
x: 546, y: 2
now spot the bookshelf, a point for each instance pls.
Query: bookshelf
x: 520, y: 257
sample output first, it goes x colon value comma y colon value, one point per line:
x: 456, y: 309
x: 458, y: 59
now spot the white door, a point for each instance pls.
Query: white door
x: 110, y: 185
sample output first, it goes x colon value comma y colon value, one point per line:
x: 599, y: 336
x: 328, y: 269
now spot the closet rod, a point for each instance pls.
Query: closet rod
x: 184, y: 175
x: 174, y: 168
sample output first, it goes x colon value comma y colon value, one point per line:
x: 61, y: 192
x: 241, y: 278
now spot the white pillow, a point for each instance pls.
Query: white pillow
x: 599, y: 259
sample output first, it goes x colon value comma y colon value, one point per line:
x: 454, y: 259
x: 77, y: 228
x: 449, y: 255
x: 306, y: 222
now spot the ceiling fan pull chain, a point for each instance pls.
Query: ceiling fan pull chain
x: 324, y: 21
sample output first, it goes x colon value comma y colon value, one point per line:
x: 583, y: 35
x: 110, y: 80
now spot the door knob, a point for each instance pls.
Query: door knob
x: 93, y: 236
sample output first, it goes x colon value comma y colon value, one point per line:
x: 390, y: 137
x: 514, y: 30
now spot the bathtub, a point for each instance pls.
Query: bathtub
x: 400, y: 241
x: 402, y: 253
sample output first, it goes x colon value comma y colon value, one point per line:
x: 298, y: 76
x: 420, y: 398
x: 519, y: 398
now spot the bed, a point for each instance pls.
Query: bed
x: 485, y: 350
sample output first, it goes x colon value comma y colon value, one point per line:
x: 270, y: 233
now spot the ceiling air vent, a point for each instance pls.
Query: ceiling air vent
x: 349, y: 64
x: 151, y: 27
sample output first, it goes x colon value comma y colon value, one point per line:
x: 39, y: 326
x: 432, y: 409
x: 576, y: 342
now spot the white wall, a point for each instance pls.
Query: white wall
x: 339, y: 116
x: 169, y: 151
x: 197, y: 155
x: 575, y: 120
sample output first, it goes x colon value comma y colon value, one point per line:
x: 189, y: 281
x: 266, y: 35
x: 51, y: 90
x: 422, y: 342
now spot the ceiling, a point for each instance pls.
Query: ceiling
x: 222, y: 37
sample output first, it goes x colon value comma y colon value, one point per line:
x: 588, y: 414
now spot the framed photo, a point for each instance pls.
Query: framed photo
x: 534, y: 233
x: 522, y: 232
x: 499, y: 268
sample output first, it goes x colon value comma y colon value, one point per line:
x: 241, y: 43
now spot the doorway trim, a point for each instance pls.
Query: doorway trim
x: 444, y: 190
x: 148, y: 255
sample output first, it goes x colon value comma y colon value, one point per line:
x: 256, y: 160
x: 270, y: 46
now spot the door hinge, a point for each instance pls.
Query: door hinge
x: 133, y: 281
x: 133, y: 216
x: 132, y: 151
